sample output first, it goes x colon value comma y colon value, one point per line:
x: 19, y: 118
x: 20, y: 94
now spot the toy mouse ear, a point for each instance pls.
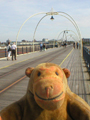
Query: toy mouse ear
x: 67, y: 72
x: 29, y: 71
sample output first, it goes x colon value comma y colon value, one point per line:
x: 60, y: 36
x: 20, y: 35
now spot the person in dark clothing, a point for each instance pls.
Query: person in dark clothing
x: 44, y: 47
x: 64, y: 44
x: 74, y: 44
x: 13, y: 47
x: 9, y: 51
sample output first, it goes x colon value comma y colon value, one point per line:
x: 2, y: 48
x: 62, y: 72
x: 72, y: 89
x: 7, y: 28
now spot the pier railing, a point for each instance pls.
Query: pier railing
x: 86, y: 55
x: 23, y: 50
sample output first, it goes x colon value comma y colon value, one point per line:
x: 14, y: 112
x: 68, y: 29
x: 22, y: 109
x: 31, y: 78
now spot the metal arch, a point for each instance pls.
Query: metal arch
x: 36, y: 29
x: 25, y: 22
x: 73, y: 24
x: 78, y: 31
x: 71, y: 35
x: 66, y: 30
x: 48, y: 13
x: 52, y: 13
x: 73, y: 21
x: 55, y: 13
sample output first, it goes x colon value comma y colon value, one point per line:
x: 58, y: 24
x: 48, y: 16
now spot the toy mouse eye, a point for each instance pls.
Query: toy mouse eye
x: 56, y: 73
x: 39, y: 73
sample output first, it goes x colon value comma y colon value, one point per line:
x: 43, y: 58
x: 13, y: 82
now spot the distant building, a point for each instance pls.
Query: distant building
x: 8, y: 41
x: 52, y: 41
x: 86, y: 39
x: 24, y: 41
x: 45, y: 40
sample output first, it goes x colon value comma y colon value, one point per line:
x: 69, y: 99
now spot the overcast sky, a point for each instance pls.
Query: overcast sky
x: 13, y: 13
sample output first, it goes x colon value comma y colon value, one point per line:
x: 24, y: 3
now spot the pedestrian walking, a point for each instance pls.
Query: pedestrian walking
x: 41, y: 45
x: 74, y: 44
x: 77, y: 45
x: 9, y: 51
x: 65, y: 44
x: 14, y: 47
x: 44, y: 47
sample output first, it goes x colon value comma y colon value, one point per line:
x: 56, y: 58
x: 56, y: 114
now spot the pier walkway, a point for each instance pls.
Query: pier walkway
x: 79, y: 80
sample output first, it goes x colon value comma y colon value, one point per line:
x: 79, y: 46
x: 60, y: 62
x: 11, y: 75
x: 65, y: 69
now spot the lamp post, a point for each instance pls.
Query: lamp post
x: 51, y: 14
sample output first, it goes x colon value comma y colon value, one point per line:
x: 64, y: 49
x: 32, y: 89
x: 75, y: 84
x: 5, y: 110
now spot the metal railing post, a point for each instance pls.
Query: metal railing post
x: 5, y: 53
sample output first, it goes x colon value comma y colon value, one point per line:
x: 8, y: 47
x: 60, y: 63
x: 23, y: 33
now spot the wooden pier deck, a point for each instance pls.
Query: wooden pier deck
x: 79, y: 80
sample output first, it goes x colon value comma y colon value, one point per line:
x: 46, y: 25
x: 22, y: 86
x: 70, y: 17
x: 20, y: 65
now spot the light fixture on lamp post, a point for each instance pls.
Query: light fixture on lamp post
x: 52, y: 18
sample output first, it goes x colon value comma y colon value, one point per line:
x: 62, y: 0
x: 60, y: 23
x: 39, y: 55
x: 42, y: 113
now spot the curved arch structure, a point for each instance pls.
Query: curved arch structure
x: 53, y: 13
x: 25, y: 22
x: 36, y: 29
x: 67, y: 31
x: 72, y: 36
